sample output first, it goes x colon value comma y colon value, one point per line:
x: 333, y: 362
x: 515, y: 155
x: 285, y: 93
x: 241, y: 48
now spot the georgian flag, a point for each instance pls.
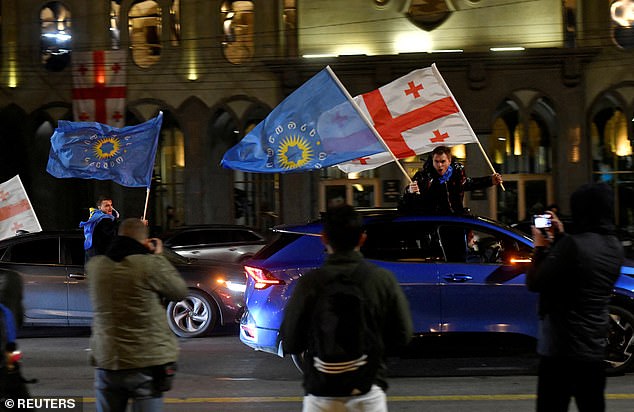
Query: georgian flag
x: 99, y: 87
x: 413, y: 114
x: 16, y: 212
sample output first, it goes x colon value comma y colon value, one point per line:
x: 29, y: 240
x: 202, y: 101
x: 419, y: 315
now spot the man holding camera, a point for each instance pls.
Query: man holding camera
x: 574, y: 275
x: 131, y: 344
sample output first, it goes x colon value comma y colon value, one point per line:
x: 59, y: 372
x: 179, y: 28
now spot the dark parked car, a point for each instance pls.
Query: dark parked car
x: 56, y: 290
x: 460, y: 274
x: 227, y: 243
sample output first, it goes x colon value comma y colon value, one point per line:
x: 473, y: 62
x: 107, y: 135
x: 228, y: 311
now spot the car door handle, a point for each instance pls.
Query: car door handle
x: 457, y: 278
x: 79, y: 276
x: 195, y: 252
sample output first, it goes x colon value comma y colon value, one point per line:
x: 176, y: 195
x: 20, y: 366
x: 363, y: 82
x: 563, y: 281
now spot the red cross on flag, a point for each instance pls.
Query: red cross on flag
x: 412, y: 114
x: 16, y: 212
x: 99, y: 87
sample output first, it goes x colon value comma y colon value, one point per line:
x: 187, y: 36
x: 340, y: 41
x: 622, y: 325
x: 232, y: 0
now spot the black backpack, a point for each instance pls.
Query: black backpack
x: 343, y: 353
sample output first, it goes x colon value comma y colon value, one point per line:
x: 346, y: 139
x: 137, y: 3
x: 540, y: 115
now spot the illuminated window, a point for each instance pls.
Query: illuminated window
x: 612, y: 158
x: 145, y: 28
x: 175, y: 23
x: 55, y: 36
x: 115, y: 31
x: 523, y: 145
x: 290, y: 27
x: 169, y: 173
x: 237, y: 26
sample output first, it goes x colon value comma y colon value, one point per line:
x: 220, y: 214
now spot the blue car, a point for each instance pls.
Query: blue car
x: 459, y: 273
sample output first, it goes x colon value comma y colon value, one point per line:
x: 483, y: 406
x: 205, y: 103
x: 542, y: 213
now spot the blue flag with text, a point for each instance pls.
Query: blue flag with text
x: 90, y: 150
x: 316, y: 126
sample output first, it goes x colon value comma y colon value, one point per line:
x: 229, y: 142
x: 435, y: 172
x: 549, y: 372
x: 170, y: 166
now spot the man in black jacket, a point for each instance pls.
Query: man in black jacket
x: 438, y: 188
x: 574, y: 275
x: 388, y: 320
x: 101, y: 227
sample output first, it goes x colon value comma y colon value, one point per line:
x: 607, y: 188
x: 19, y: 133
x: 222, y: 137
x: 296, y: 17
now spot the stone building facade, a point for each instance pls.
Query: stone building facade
x: 546, y: 85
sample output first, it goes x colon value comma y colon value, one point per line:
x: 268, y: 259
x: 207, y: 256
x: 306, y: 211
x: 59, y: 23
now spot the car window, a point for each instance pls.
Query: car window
x: 35, y: 251
x: 472, y: 244
x: 74, y: 251
x: 200, y: 237
x: 215, y: 236
x: 402, y: 241
x: 185, y: 239
x: 244, y: 236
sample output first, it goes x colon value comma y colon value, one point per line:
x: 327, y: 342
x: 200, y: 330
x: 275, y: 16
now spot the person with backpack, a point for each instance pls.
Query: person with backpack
x: 344, y: 318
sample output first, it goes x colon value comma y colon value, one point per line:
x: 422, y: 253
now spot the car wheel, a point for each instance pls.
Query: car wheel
x: 194, y: 316
x: 620, y: 347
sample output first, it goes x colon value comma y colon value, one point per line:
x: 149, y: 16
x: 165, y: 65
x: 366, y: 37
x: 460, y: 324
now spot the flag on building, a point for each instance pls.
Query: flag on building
x: 413, y: 114
x: 99, y: 86
x: 89, y: 150
x: 16, y: 211
x: 314, y: 127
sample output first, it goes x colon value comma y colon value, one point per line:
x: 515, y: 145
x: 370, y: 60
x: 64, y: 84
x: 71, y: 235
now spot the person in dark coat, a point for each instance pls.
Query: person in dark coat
x: 101, y: 227
x: 438, y: 188
x: 343, y: 236
x: 574, y: 275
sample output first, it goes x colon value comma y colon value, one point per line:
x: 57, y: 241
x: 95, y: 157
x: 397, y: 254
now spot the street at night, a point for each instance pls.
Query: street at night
x: 218, y: 373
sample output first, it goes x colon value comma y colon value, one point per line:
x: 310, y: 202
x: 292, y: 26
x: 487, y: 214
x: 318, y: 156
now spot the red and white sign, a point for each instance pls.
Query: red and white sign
x: 412, y: 114
x: 16, y: 212
x: 99, y: 80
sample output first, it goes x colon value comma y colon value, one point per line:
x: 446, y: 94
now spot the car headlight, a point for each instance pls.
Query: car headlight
x: 233, y: 286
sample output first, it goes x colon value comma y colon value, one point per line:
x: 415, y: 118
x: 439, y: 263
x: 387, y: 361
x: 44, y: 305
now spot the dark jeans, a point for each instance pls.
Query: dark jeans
x: 115, y: 388
x: 561, y: 379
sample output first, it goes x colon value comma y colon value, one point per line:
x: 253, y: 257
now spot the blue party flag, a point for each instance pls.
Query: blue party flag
x: 90, y: 150
x: 316, y: 126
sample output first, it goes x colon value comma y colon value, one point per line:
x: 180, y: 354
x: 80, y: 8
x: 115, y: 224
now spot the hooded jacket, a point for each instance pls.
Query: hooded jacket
x: 575, y: 278
x: 127, y: 286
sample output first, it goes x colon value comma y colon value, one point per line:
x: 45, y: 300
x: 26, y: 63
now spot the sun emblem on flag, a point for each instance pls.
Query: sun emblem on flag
x: 294, y: 151
x: 107, y: 147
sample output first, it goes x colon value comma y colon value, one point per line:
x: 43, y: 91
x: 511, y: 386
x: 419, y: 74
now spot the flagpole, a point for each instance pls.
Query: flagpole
x: 368, y: 122
x: 147, y: 200
x: 464, y: 118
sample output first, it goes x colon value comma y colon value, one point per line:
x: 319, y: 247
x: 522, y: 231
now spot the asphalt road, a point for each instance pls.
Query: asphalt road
x: 219, y: 373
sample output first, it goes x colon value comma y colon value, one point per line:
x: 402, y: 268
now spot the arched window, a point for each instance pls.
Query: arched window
x: 55, y: 36
x: 522, y: 144
x: 612, y: 159
x: 611, y: 147
x: 237, y: 26
x: 145, y: 28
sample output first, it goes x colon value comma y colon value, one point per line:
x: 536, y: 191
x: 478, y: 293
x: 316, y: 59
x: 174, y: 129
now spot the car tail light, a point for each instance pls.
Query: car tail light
x: 263, y: 278
x: 515, y: 260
